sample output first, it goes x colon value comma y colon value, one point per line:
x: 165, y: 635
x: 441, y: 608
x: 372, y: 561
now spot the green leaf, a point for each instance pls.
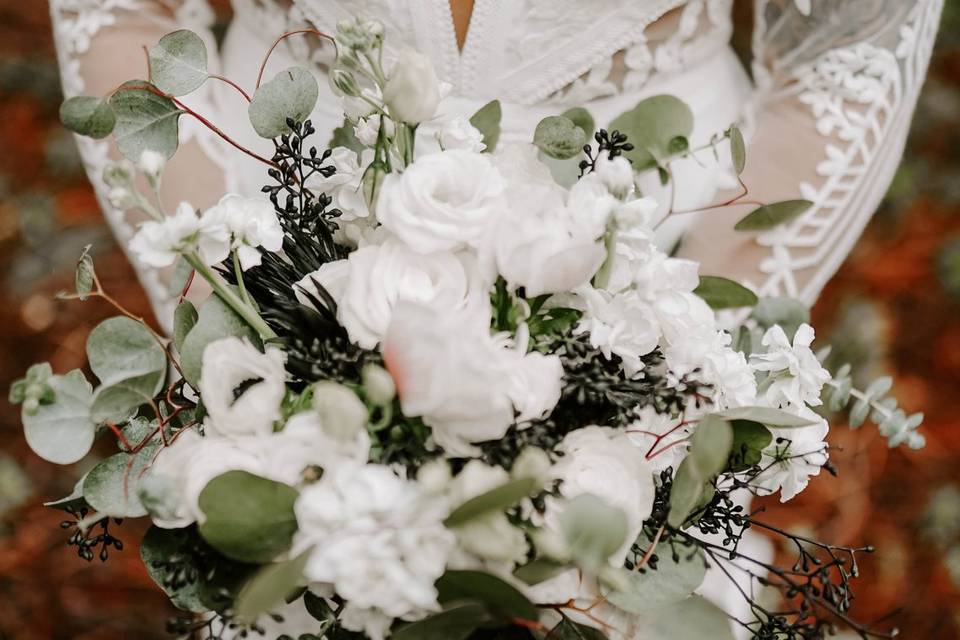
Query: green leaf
x: 691, y: 618
x: 62, y: 431
x: 215, y: 320
x: 88, y: 116
x: 120, y: 348
x: 178, y: 63
x: 506, y: 495
x: 145, y: 120
x: 84, y: 276
x: 673, y: 581
x: 456, y: 623
x: 738, y: 150
x: 112, y: 487
x: 773, y: 215
x: 159, y: 549
x: 558, y: 137
x: 685, y: 493
x: 270, y: 587
x: 344, y: 136
x: 789, y: 313
x: 292, y: 94
x: 765, y: 415
x: 594, y: 530
x: 651, y: 126
x: 487, y: 121
x: 184, y: 320
x: 721, y: 293
x: 539, y: 570
x: 73, y: 501
x: 582, y: 118
x: 178, y: 280
x: 501, y: 598
x: 709, y: 451
x: 248, y: 518
x: 570, y: 630
x: 119, y: 401
x: 749, y: 440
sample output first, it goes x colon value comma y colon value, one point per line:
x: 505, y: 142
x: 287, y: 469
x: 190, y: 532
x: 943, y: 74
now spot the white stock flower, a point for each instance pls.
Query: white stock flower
x: 443, y: 201
x: 458, y: 133
x: 616, y: 174
x: 151, y: 163
x: 465, y: 384
x: 377, y: 541
x: 412, y: 92
x: 159, y: 243
x: 252, y: 223
x: 375, y: 278
x: 620, y: 324
x: 796, y: 375
x: 232, y: 366
x: 793, y: 456
x: 491, y: 536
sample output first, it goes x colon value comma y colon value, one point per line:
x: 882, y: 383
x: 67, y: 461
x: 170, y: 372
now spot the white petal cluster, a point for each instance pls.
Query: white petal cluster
x: 251, y: 222
x: 377, y: 540
x: 794, y: 456
x: 796, y: 375
x: 458, y: 133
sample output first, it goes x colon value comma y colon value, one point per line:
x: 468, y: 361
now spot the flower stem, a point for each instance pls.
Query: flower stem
x: 238, y: 270
x: 226, y: 294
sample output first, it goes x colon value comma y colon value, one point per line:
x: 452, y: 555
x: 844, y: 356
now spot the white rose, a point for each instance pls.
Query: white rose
x: 458, y: 133
x: 231, y: 365
x: 376, y: 278
x: 442, y: 202
x: 159, y: 243
x: 252, y: 223
x: 412, y: 92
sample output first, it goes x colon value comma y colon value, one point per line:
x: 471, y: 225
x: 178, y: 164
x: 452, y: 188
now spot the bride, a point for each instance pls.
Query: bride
x: 826, y: 108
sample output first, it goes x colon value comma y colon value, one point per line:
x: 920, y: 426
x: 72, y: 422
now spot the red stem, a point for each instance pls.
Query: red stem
x: 232, y: 84
x: 263, y: 65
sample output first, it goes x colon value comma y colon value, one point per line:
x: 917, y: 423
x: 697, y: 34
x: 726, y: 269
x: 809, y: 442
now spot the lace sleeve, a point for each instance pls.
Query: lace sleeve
x: 98, y: 47
x: 837, y: 82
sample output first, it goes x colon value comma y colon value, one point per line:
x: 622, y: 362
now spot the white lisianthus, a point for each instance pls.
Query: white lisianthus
x: 375, y: 278
x: 368, y: 129
x: 458, y: 133
x: 443, y: 201
x: 159, y: 243
x: 796, y: 375
x: 232, y: 366
x: 412, y: 92
x: 252, y: 223
x: 377, y: 541
x: 793, y: 456
x: 460, y: 380
x: 344, y: 186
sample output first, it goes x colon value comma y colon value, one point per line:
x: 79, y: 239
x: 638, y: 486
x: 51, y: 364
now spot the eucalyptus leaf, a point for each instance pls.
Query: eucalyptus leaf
x: 769, y: 216
x: 539, y: 570
x: 88, y: 116
x: 767, y: 416
x: 673, y: 581
x: 62, y: 431
x: 722, y: 293
x: 74, y: 501
x: 182, y: 273
x: 456, y: 623
x: 692, y: 618
x: 738, y: 150
x: 498, y: 499
x: 270, y: 587
x: 709, y: 450
x: 500, y: 598
x: 120, y: 348
x: 582, y: 118
x: 178, y: 63
x: 570, y: 630
x: 112, y: 487
x: 145, y: 121
x: 185, y: 318
x: 594, y: 530
x: 248, y: 518
x: 119, y: 401
x: 215, y: 320
x: 291, y: 94
x: 487, y: 121
x: 158, y: 548
x: 558, y: 137
x: 789, y: 313
x: 749, y: 440
x: 651, y: 127
x: 685, y: 493
x: 85, y: 275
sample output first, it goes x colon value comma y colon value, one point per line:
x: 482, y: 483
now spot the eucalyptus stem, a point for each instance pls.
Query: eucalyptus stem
x: 226, y: 294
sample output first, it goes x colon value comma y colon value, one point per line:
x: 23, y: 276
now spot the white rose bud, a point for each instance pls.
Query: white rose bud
x: 121, y: 198
x: 532, y: 462
x: 344, y: 83
x: 378, y: 384
x: 341, y: 412
x: 412, y: 92
x: 119, y: 174
x: 151, y: 163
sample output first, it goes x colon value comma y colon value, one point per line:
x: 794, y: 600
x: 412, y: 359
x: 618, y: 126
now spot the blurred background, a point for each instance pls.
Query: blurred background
x: 894, y: 306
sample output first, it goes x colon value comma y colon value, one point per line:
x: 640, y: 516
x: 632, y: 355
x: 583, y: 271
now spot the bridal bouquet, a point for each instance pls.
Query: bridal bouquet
x: 444, y: 387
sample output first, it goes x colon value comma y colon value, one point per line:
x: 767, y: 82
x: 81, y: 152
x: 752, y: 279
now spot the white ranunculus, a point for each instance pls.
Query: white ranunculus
x: 793, y: 456
x: 159, y: 243
x: 412, y: 92
x: 252, y: 223
x: 458, y: 133
x: 796, y: 375
x: 375, y: 278
x: 491, y: 536
x: 231, y: 366
x: 444, y: 201
x: 377, y: 541
x: 460, y: 380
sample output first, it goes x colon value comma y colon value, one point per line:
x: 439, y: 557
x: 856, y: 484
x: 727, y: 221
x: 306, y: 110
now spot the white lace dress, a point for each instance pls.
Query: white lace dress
x: 833, y: 88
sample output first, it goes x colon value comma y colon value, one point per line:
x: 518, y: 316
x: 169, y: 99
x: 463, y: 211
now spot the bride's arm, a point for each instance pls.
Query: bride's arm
x: 99, y: 46
x: 836, y: 92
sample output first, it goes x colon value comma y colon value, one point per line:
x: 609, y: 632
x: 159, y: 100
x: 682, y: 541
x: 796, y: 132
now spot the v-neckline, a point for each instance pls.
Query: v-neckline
x: 467, y: 14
